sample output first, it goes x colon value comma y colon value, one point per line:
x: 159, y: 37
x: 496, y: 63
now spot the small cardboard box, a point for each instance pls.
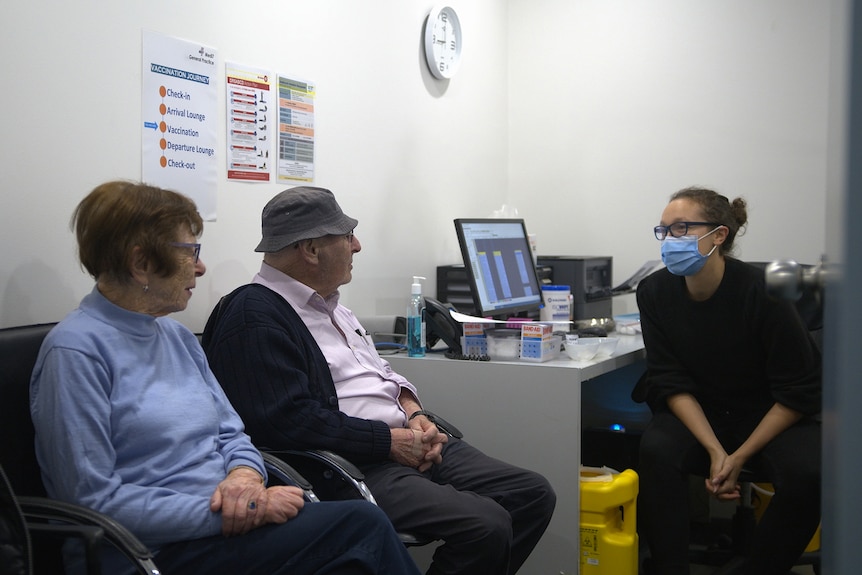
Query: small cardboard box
x: 473, y: 342
x: 538, y: 342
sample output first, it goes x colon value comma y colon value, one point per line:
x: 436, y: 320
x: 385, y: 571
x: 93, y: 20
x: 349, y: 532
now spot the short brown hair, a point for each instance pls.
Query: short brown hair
x: 117, y: 216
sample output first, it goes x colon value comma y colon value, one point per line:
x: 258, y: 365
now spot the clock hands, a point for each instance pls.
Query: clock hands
x: 442, y: 42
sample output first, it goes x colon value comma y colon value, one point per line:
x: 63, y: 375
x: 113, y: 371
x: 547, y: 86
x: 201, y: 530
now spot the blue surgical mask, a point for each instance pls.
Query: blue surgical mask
x: 681, y: 256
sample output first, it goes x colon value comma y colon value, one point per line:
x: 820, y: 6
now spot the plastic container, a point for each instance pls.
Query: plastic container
x: 416, y: 320
x: 556, y: 306
x: 609, y: 539
x: 607, y: 346
x: 583, y: 349
x: 504, y: 344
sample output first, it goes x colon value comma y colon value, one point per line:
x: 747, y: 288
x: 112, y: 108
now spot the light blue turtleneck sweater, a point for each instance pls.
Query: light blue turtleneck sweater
x: 130, y: 421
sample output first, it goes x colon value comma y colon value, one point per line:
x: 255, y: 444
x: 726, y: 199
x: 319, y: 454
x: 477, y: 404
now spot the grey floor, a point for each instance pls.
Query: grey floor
x: 710, y: 569
x: 707, y: 570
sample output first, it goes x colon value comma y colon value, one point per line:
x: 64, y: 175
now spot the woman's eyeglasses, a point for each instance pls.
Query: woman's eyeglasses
x: 677, y: 229
x: 195, y: 247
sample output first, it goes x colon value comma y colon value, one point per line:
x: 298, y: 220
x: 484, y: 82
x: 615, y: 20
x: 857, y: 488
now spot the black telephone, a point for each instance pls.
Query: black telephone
x: 439, y: 324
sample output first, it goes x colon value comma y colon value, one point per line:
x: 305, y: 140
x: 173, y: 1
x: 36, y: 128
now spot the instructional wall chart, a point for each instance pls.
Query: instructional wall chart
x: 295, y: 130
x: 250, y: 112
x: 178, y: 140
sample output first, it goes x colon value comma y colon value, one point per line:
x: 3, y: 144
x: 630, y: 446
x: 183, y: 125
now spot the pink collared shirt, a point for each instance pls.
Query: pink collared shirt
x: 366, y: 385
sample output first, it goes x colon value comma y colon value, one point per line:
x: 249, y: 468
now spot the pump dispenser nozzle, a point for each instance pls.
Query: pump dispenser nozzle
x: 416, y: 288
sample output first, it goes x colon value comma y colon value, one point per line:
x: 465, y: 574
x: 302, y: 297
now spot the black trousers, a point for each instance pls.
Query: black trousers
x: 489, y: 514
x: 669, y: 453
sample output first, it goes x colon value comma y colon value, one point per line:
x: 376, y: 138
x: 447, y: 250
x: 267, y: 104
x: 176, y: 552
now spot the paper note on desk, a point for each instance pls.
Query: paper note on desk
x: 513, y: 322
x: 464, y: 318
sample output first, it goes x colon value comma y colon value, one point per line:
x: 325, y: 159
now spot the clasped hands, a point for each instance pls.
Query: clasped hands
x: 246, y: 503
x: 724, y: 471
x: 420, y: 445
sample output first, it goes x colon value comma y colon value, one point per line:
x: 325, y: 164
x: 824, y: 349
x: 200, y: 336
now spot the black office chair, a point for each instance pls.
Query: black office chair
x: 46, y: 520
x: 36, y: 525
x: 16, y: 557
x: 23, y: 520
x: 720, y: 543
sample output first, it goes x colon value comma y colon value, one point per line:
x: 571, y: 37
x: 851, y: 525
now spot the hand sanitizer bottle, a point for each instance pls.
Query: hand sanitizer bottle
x: 416, y: 320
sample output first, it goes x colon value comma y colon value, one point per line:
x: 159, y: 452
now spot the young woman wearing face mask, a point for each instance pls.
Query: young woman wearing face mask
x: 733, y: 380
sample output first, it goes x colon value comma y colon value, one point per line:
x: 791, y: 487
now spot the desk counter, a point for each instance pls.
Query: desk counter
x: 528, y: 414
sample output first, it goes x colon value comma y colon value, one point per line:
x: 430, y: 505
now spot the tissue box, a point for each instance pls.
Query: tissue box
x: 538, y: 342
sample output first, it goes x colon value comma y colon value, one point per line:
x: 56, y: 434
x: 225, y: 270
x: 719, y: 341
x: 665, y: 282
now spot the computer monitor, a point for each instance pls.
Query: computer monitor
x: 499, y: 266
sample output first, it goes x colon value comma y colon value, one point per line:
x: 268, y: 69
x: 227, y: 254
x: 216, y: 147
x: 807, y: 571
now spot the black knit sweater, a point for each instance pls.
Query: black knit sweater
x: 738, y: 351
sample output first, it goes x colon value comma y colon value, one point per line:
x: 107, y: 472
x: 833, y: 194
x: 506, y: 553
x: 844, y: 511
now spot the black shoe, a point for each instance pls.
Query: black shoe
x: 735, y: 566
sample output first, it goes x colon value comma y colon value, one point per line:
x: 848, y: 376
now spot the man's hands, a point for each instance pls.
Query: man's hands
x: 245, y: 503
x: 420, y: 445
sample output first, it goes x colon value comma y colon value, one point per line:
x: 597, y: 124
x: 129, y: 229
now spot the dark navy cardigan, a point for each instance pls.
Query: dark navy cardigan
x: 278, y: 380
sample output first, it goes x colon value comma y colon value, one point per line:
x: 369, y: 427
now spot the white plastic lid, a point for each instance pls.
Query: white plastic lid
x: 603, y: 474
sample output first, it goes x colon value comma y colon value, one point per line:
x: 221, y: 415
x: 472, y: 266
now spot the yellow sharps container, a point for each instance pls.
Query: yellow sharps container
x: 609, y: 539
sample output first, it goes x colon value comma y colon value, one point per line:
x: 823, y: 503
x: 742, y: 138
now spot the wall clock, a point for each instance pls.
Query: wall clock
x: 443, y: 42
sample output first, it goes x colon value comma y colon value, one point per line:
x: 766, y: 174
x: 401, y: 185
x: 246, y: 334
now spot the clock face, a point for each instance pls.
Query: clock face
x: 443, y: 42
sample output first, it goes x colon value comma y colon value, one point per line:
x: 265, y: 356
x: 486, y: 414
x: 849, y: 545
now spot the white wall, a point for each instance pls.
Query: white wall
x: 585, y: 115
x: 403, y: 153
x: 614, y: 105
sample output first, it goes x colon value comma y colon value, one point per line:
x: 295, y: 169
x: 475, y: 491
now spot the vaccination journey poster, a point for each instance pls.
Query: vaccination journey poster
x: 178, y: 140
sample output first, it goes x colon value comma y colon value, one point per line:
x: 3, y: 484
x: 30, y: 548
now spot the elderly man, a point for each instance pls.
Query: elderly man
x: 300, y: 371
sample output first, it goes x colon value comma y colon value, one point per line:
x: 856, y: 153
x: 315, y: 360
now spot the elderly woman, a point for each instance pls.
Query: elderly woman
x: 131, y: 422
x: 733, y: 380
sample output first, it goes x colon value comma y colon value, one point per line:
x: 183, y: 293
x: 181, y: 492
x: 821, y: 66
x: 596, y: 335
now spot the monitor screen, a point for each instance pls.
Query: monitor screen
x: 499, y: 266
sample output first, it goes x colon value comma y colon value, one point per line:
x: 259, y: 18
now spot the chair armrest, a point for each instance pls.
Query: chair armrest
x: 280, y: 473
x: 444, y: 425
x: 332, y: 476
x: 331, y: 472
x: 43, y: 510
x: 336, y: 461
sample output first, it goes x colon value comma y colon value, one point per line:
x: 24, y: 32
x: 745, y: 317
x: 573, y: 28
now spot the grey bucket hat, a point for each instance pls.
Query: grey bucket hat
x: 301, y: 213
